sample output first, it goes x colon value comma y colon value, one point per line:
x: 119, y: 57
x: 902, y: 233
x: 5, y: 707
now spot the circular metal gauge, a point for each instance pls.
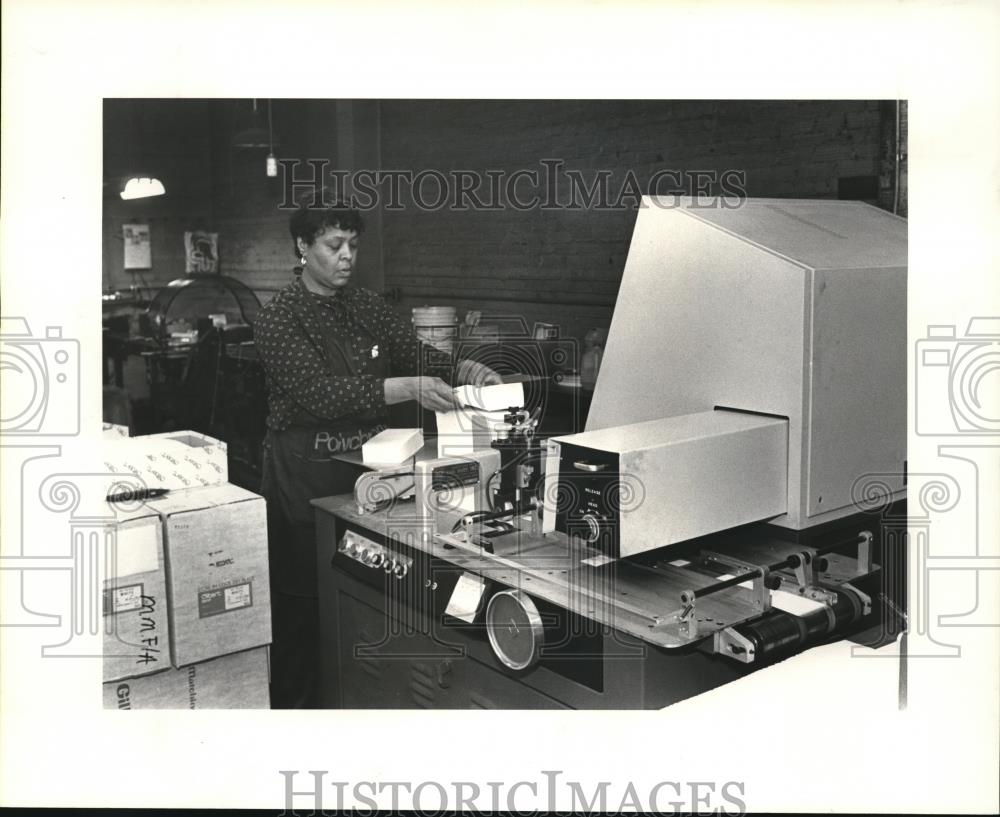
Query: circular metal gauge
x: 515, y: 629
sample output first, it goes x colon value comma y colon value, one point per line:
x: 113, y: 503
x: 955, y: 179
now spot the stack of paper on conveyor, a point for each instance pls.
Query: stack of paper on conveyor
x: 474, y: 426
x: 392, y: 446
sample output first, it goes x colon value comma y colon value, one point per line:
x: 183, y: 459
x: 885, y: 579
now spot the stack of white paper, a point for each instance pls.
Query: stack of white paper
x: 492, y: 398
x: 467, y: 429
x: 392, y: 446
x: 480, y: 419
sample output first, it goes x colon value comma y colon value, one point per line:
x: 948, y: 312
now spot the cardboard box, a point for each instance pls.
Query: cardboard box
x: 113, y: 431
x: 136, y: 624
x: 215, y: 541
x: 204, y: 457
x: 238, y: 681
x: 179, y: 459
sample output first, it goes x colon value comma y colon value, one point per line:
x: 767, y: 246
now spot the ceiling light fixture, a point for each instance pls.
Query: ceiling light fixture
x: 142, y: 187
x: 258, y: 133
x: 254, y: 134
x: 272, y: 163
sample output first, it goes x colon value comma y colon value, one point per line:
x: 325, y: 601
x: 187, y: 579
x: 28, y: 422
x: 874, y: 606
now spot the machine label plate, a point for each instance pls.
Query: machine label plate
x: 455, y: 475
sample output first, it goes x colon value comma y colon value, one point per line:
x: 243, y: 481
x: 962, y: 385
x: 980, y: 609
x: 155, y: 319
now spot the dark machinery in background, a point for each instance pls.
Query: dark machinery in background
x: 187, y: 308
x: 187, y: 361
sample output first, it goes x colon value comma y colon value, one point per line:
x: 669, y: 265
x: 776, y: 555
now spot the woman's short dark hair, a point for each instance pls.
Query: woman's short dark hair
x: 308, y: 222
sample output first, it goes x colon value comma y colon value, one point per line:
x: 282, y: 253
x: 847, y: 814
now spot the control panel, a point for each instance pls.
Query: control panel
x: 455, y: 475
x: 374, y: 555
x: 589, y: 501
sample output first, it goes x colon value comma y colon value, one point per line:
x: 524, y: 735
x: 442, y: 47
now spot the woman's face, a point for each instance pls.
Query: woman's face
x: 329, y: 260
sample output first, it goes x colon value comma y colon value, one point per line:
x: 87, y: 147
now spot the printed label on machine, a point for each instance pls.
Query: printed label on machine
x: 455, y: 475
x: 224, y: 599
x: 466, y: 597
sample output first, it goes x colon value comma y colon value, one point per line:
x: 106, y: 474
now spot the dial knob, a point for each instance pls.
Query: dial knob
x: 593, y: 531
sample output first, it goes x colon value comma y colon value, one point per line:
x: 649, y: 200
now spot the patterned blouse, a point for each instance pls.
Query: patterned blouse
x: 325, y: 357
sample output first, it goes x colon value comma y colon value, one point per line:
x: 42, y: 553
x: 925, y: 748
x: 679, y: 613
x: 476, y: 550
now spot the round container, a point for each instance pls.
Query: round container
x: 436, y: 326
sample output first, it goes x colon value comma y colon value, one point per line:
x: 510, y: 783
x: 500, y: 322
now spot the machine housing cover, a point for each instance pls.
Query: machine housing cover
x: 795, y: 308
x: 628, y: 489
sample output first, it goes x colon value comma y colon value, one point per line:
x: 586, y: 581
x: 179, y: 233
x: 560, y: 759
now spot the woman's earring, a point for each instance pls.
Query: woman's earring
x: 302, y: 258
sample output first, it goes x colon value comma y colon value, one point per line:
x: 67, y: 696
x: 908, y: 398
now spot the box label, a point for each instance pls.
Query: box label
x: 125, y: 599
x: 136, y: 549
x: 220, y: 600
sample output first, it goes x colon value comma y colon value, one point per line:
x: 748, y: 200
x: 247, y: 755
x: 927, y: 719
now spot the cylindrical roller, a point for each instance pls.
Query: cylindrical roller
x: 778, y: 633
x: 774, y: 633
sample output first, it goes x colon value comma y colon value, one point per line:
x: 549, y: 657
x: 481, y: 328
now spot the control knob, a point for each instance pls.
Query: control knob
x: 593, y: 530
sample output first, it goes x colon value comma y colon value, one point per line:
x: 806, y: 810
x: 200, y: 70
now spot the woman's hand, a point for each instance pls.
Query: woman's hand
x: 431, y: 392
x: 471, y: 373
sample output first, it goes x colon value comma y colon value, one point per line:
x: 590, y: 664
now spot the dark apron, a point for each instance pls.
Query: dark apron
x: 301, y: 464
x: 298, y: 468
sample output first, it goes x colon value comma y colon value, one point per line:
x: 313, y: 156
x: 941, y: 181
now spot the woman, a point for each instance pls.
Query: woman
x: 334, y: 356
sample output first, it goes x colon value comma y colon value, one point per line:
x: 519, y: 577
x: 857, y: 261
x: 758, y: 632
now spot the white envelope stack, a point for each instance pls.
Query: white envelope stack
x: 480, y: 420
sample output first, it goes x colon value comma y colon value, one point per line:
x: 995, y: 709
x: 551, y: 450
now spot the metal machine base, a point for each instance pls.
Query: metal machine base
x: 387, y: 641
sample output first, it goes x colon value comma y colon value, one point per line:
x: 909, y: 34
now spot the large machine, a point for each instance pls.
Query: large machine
x: 704, y: 524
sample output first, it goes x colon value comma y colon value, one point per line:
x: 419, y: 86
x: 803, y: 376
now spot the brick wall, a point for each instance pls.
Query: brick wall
x: 254, y: 242
x: 564, y: 266
x: 902, y: 197
x: 560, y: 266
x: 169, y: 139
x: 212, y: 185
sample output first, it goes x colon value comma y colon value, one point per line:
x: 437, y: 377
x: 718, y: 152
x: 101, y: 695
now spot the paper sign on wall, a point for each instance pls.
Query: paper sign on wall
x: 137, y: 252
x: 201, y: 251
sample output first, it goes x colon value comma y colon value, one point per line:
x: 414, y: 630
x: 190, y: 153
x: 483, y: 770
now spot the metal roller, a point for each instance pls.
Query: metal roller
x: 778, y: 633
